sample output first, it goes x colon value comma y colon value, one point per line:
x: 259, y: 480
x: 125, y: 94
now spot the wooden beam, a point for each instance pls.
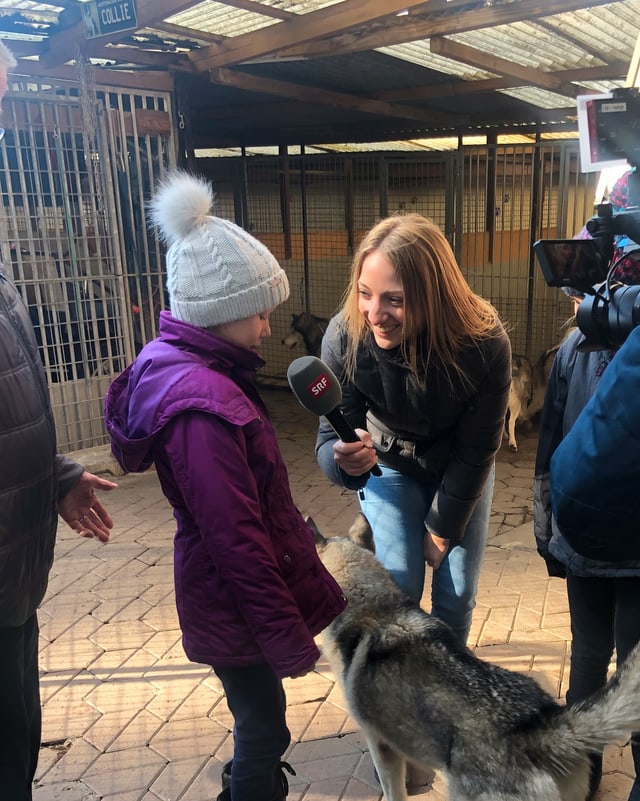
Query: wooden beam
x: 260, y: 135
x: 608, y: 72
x: 412, y: 28
x: 491, y: 63
x: 63, y: 46
x: 558, y: 33
x: 188, y: 33
x: 29, y: 13
x: 22, y: 48
x: 259, y: 8
x: 448, y: 89
x: 144, y: 122
x: 304, y: 94
x: 100, y: 76
x: 68, y: 3
x: 633, y: 75
x: 325, y: 22
x: 139, y: 56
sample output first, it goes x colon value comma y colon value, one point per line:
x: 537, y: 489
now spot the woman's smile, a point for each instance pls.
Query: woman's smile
x: 381, y: 300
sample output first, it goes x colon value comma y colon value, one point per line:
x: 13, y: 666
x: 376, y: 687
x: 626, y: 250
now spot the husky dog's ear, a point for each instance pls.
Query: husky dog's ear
x: 361, y: 533
x: 317, y: 536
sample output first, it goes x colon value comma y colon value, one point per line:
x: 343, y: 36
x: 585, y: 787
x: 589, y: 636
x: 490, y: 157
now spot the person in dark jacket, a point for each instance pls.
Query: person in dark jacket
x: 251, y: 592
x: 36, y: 485
x: 586, y: 450
x: 425, y: 368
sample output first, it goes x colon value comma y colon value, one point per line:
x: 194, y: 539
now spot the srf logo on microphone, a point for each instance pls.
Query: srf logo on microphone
x: 319, y: 386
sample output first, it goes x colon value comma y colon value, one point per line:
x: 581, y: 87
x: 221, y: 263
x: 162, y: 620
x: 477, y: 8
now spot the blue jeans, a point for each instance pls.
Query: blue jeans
x: 396, y: 506
x: 605, y: 612
x: 256, y: 699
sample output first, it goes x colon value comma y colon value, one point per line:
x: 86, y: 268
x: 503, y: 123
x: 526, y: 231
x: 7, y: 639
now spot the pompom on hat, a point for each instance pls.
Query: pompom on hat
x: 216, y: 271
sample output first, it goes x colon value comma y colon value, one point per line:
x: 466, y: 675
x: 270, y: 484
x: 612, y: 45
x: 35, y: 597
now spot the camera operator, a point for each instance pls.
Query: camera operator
x: 587, y: 447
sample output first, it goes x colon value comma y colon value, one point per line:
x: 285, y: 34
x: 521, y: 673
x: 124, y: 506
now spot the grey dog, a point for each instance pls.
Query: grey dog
x: 420, y: 697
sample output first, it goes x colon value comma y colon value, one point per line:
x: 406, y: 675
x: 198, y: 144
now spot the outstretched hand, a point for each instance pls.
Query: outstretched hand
x: 82, y: 510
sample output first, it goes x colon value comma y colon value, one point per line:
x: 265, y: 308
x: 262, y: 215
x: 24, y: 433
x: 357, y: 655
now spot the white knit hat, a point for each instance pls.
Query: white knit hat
x: 216, y: 271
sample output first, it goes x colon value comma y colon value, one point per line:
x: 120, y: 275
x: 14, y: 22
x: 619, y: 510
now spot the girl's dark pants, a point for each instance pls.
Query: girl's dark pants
x: 256, y: 699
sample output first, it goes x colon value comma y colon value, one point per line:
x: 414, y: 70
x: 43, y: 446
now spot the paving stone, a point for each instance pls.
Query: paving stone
x: 66, y: 791
x: 122, y: 635
x: 171, y: 782
x: 137, y: 733
x: 162, y: 642
x: 71, y: 766
x: 202, y: 701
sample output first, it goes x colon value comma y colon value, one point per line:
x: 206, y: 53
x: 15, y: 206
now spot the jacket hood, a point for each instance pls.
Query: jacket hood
x: 164, y: 381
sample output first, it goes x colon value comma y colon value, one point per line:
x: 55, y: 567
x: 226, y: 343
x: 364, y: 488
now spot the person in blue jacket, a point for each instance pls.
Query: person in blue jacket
x: 587, y: 505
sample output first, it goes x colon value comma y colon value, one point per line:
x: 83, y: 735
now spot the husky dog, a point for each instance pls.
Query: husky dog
x: 309, y: 329
x: 519, y: 395
x: 421, y: 697
x: 540, y: 377
x: 526, y: 394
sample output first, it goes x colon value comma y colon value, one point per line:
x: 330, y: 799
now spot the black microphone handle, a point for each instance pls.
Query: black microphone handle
x: 341, y: 426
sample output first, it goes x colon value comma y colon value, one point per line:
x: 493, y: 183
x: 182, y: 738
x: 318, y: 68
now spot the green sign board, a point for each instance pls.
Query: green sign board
x: 108, y: 16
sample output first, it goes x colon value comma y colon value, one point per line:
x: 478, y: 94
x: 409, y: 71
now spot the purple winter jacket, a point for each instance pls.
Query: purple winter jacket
x: 250, y: 587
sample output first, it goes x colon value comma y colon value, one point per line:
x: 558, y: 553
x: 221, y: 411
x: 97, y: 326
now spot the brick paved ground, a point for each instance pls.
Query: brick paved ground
x: 128, y: 718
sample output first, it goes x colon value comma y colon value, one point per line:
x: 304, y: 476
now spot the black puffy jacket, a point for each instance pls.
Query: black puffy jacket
x: 32, y: 476
x: 441, y: 429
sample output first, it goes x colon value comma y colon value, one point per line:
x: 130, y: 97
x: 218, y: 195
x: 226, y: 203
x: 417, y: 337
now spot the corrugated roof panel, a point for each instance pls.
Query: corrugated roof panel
x: 530, y: 45
x: 368, y: 147
x: 223, y: 20
x: 298, y: 6
x: 593, y: 87
x: 436, y: 144
x: 574, y: 40
x: 419, y: 53
x: 585, y: 38
x: 611, y: 30
x: 540, y: 97
x: 29, y: 5
x: 220, y: 19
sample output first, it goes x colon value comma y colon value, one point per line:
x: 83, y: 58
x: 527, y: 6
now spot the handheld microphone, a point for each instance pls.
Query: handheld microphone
x: 317, y: 389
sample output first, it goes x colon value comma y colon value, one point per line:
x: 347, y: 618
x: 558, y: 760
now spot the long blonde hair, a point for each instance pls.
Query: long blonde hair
x: 440, y: 308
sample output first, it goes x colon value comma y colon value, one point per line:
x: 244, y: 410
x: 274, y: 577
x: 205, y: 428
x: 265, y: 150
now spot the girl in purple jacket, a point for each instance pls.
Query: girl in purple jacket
x: 251, y: 592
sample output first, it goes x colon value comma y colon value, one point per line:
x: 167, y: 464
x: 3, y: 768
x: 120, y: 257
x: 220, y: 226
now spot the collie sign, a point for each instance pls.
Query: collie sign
x: 108, y: 16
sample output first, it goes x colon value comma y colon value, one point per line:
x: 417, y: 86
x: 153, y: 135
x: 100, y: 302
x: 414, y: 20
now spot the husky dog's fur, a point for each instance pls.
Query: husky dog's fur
x: 421, y: 697
x: 308, y: 329
x: 526, y: 393
x: 519, y: 395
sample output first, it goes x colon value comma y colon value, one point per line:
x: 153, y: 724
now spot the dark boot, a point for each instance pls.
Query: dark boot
x: 281, y: 788
x: 226, y: 774
x: 282, y: 783
x: 595, y: 774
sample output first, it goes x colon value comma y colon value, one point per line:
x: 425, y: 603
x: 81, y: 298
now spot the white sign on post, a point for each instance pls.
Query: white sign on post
x: 108, y: 16
x: 593, y: 112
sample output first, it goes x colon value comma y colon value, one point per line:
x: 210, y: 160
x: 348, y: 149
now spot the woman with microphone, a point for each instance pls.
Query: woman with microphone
x: 425, y: 369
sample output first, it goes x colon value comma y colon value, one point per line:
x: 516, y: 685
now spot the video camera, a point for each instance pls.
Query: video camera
x: 610, y: 309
